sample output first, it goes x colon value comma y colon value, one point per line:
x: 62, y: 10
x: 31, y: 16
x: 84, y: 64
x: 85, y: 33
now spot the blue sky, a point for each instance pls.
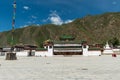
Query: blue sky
x: 57, y: 12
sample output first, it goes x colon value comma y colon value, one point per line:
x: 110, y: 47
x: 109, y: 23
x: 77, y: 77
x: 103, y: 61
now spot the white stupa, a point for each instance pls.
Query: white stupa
x: 107, y: 49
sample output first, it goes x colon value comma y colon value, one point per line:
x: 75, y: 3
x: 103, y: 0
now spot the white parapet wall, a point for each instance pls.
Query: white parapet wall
x: 87, y: 52
x: 41, y: 53
x: 2, y: 53
x: 22, y: 53
x: 48, y: 52
x: 116, y: 51
x: 94, y: 53
x: 110, y: 51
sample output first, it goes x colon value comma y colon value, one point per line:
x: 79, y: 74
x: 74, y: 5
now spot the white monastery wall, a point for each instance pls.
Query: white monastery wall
x: 22, y: 53
x: 94, y: 53
x: 87, y: 52
x: 49, y: 52
x: 41, y: 53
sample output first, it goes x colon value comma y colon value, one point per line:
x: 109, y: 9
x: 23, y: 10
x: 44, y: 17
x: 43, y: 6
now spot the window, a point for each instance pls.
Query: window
x: 50, y: 46
x: 84, y: 46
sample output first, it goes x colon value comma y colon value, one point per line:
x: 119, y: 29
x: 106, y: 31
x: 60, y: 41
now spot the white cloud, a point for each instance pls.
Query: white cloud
x: 68, y: 21
x: 34, y: 17
x: 38, y: 24
x: 45, y: 20
x: 26, y: 7
x: 54, y: 18
x: 23, y: 26
x: 31, y: 22
x: 114, y: 3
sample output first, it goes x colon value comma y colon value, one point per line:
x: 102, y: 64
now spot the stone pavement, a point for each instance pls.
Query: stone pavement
x: 103, y: 67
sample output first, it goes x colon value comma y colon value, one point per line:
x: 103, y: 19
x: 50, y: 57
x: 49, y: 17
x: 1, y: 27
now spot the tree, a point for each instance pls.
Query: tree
x: 114, y: 41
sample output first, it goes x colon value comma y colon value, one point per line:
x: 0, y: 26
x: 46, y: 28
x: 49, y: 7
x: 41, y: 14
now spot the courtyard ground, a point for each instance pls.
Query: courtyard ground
x: 103, y: 67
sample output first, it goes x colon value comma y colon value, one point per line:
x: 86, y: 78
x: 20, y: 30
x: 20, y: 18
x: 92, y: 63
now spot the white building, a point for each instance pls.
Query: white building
x: 25, y: 50
x: 62, y: 48
x: 67, y: 48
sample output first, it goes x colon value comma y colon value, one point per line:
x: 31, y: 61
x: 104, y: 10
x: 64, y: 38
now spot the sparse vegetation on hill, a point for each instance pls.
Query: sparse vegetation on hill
x: 93, y: 29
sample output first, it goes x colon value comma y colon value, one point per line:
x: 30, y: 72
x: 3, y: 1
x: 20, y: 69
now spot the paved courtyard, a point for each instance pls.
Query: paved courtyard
x: 61, y: 68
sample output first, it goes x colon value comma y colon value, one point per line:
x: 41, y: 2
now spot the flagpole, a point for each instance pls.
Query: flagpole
x: 11, y: 55
x: 13, y: 21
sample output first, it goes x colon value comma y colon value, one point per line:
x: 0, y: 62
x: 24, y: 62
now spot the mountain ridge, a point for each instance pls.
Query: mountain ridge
x: 93, y: 29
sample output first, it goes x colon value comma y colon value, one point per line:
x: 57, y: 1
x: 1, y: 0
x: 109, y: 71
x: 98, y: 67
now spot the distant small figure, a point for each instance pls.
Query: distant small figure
x: 30, y: 52
x: 114, y: 55
x: 12, y: 49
